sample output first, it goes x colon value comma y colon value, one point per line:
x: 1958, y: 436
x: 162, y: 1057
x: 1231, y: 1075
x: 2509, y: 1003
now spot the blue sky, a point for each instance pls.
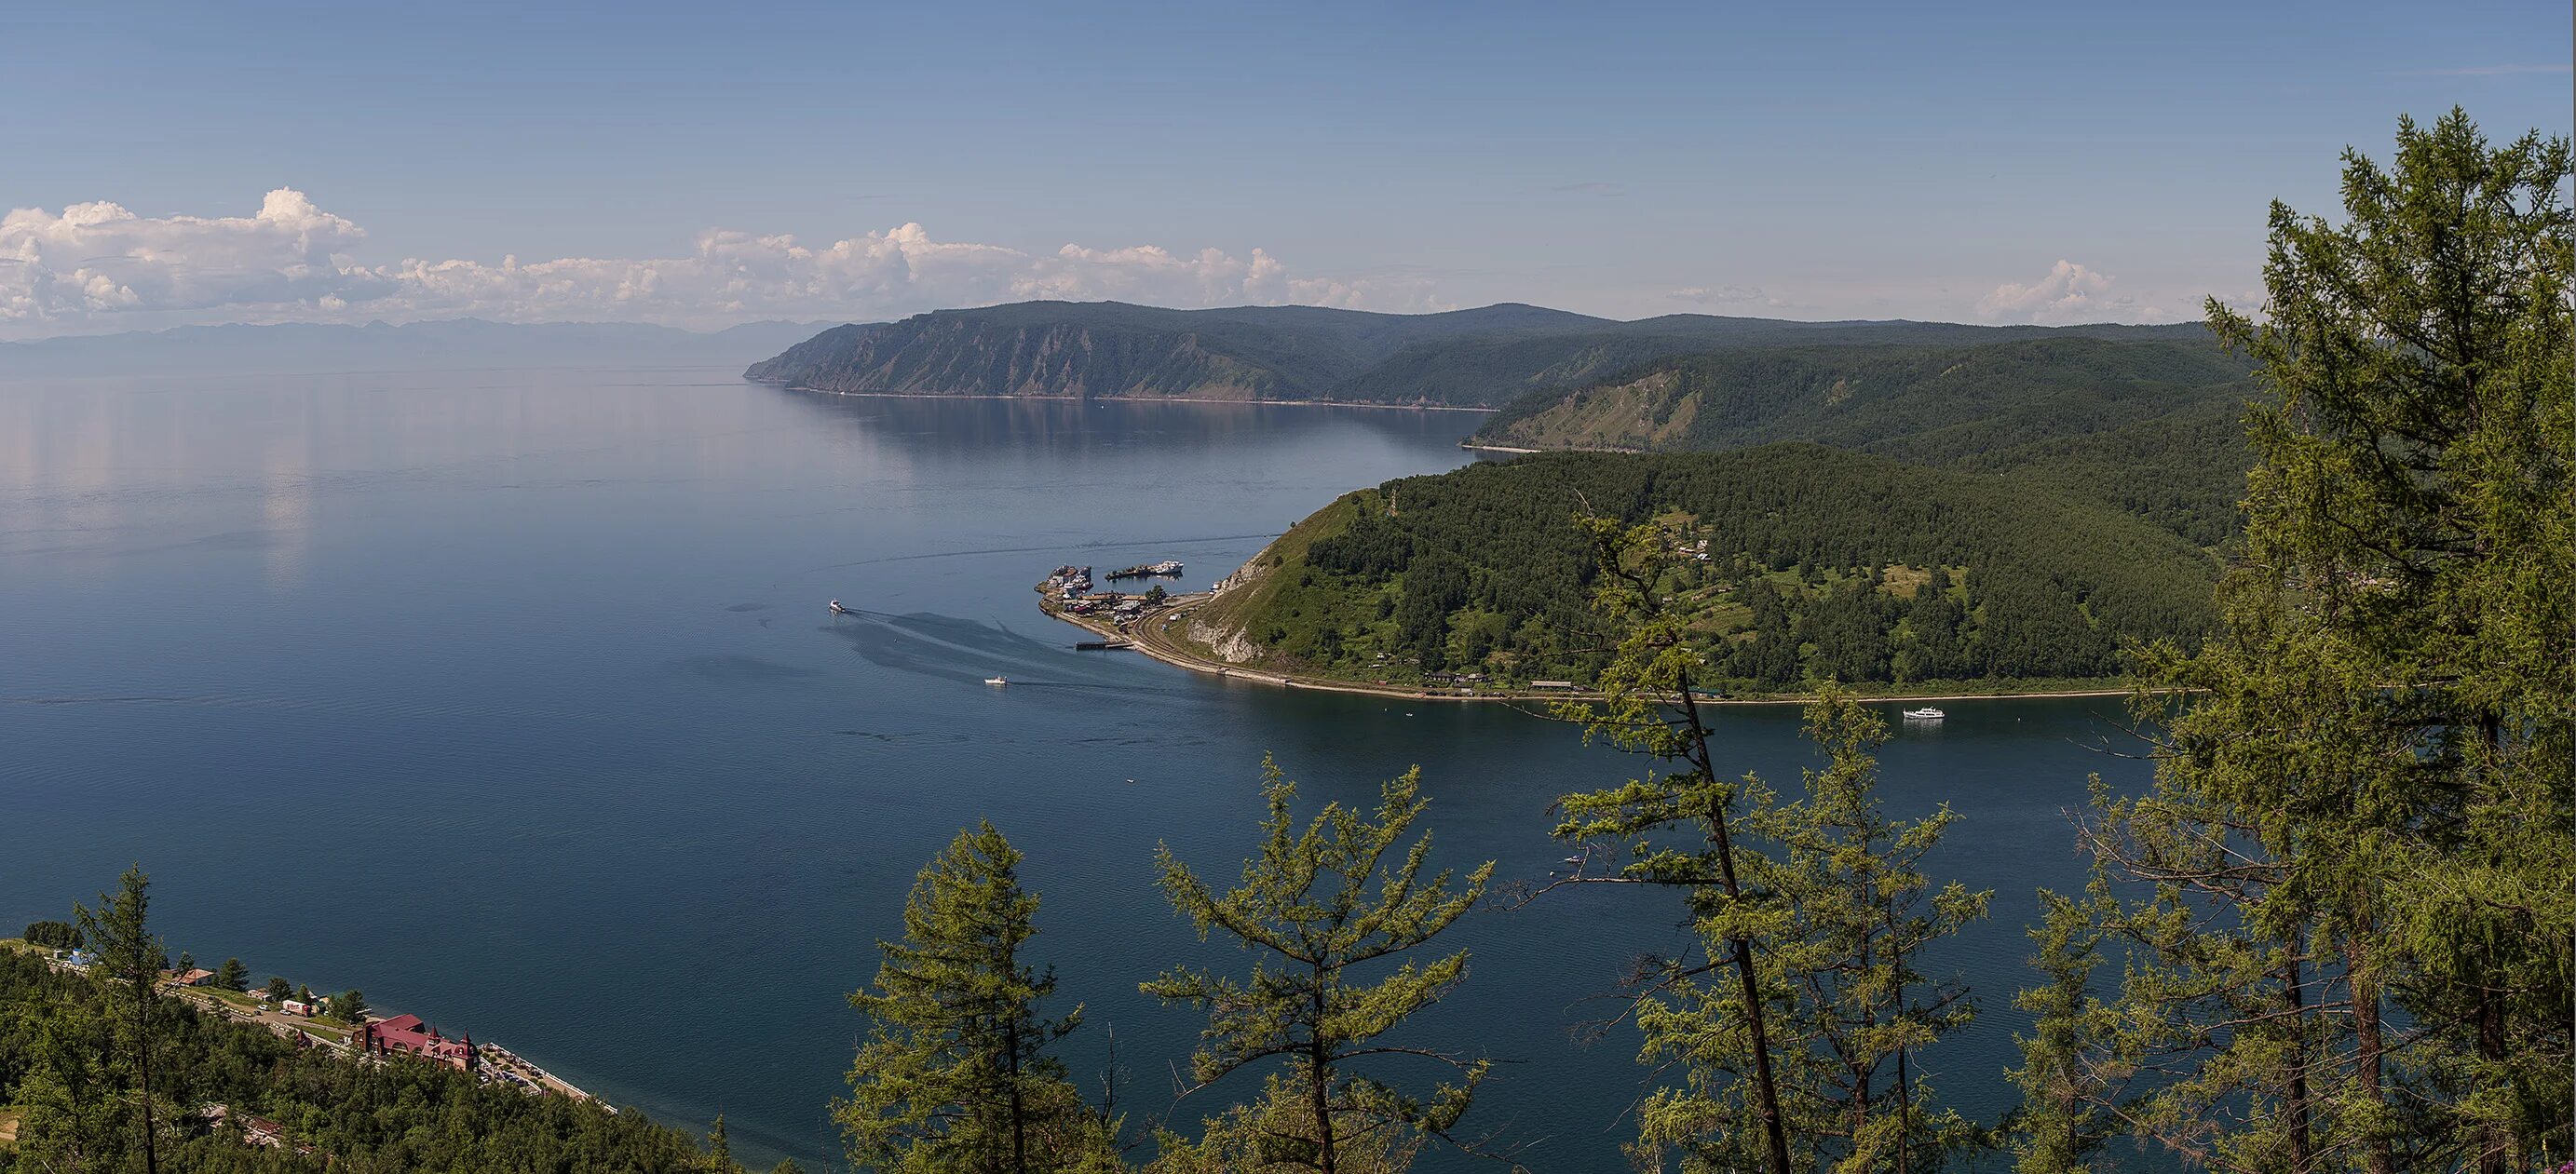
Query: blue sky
x: 1973, y: 162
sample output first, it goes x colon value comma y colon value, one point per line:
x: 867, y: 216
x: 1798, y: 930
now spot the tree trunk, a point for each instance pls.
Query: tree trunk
x: 1904, y: 1117
x: 2492, y: 1143
x: 1320, y: 1081
x: 1774, y: 1130
x: 2296, y: 1098
x: 1019, y: 1111
x: 1904, y: 1081
x: 143, y: 1064
x: 2369, y: 1058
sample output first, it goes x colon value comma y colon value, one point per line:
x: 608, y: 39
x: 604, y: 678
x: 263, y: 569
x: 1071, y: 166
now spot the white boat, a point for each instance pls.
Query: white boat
x: 997, y: 680
x: 839, y: 610
x: 1925, y: 714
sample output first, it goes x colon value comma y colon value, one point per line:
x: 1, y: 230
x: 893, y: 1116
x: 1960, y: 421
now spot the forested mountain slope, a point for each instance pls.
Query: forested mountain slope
x: 2146, y: 423
x: 1482, y: 357
x: 1819, y: 563
x: 66, y: 1073
x: 1106, y: 349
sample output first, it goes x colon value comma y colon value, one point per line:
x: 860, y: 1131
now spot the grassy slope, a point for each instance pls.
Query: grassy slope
x: 1275, y: 583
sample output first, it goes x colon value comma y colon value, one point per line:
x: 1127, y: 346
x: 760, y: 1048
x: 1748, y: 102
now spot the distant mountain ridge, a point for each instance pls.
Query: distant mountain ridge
x: 1479, y: 358
x: 449, y: 344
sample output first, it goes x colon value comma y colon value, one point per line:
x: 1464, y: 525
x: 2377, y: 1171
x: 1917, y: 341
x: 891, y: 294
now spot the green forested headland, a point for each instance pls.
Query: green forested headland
x: 1820, y: 563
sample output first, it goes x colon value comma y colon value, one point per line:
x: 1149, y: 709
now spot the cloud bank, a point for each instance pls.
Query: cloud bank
x: 98, y: 267
x: 2070, y: 293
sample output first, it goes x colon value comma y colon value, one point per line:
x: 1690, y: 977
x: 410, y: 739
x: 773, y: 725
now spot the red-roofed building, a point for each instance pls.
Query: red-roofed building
x: 407, y: 1035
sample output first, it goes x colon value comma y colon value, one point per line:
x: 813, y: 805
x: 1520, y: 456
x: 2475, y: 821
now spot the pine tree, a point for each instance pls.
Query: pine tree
x: 130, y: 962
x: 1247, y: 1139
x: 1850, y: 958
x: 719, y: 1146
x: 1319, y: 906
x: 1679, y: 829
x: 232, y: 975
x: 53, y: 935
x: 2062, y: 1122
x: 69, y: 1088
x: 956, y: 1074
x: 2352, y: 943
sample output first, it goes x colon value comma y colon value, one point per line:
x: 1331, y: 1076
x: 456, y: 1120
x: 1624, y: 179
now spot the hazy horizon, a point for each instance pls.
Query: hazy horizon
x: 2015, y: 164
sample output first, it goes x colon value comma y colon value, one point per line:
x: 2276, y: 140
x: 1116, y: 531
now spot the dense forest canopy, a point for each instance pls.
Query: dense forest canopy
x: 1799, y: 563
x: 2147, y: 424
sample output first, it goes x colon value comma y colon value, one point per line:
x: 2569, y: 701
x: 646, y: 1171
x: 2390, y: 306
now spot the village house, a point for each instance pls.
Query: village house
x: 407, y: 1035
x: 191, y: 977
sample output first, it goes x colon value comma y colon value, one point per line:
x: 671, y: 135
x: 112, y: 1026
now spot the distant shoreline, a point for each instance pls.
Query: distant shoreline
x: 1470, y: 443
x: 1149, y: 638
x: 1128, y: 399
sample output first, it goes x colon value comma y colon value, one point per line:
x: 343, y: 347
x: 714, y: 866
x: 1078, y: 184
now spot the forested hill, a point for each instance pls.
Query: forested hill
x: 2146, y: 423
x: 1480, y: 358
x: 68, y: 1084
x: 1819, y: 563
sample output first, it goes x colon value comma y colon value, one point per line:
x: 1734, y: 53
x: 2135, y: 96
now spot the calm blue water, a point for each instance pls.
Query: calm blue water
x: 510, y: 698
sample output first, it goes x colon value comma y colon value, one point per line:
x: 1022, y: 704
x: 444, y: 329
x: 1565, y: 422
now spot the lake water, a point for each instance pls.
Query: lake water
x: 510, y: 698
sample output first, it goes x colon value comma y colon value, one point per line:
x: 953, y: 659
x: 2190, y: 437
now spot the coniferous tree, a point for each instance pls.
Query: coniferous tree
x: 62, y: 1057
x: 2062, y: 1122
x: 278, y: 989
x: 232, y: 975
x: 2353, y: 943
x: 1320, y: 905
x: 956, y: 1073
x: 1679, y: 829
x: 130, y: 962
x: 1849, y: 960
x: 53, y: 935
x: 1245, y: 1139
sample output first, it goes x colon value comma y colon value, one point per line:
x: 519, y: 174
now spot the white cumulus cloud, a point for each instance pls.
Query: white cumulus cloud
x: 2070, y: 293
x: 98, y: 259
x: 97, y: 266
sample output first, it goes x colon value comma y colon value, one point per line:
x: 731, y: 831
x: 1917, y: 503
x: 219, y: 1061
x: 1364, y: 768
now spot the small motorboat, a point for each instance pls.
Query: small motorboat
x: 839, y: 610
x: 1925, y: 714
x: 997, y: 680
